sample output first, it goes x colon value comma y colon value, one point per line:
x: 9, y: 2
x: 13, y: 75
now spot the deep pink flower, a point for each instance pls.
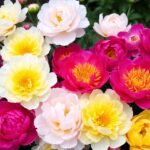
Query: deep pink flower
x: 112, y: 50
x: 84, y: 71
x: 16, y: 126
x: 61, y: 54
x: 132, y: 81
x: 145, y: 43
x: 133, y: 38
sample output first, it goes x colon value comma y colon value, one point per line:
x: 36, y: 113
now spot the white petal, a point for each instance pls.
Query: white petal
x: 117, y: 143
x: 53, y: 79
x: 80, y: 32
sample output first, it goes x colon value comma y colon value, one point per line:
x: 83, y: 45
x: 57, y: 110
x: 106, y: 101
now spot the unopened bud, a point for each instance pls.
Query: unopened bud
x: 22, y: 1
x: 26, y: 26
x: 33, y: 8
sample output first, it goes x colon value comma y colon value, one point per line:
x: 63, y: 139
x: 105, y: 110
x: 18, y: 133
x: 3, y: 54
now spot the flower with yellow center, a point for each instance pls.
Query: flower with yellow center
x: 25, y: 42
x: 138, y: 136
x: 10, y: 15
x: 106, y: 120
x: 26, y: 80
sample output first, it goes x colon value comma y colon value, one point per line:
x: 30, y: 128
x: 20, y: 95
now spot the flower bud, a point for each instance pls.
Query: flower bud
x: 22, y: 1
x: 33, y: 8
x: 26, y: 26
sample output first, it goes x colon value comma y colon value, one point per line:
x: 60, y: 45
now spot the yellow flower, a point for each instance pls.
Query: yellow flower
x: 25, y: 42
x: 10, y: 15
x: 138, y: 136
x: 106, y: 120
x: 26, y: 80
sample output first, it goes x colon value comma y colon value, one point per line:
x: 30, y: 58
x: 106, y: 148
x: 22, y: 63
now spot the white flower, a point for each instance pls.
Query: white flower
x: 22, y: 42
x: 10, y: 15
x: 62, y: 21
x: 111, y: 24
x: 26, y: 80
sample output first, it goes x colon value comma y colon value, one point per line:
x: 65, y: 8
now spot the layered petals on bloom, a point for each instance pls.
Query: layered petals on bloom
x: 58, y: 120
x: 133, y: 38
x: 111, y: 24
x: 112, y: 50
x: 23, y: 41
x: 105, y: 119
x: 26, y: 80
x: 138, y: 136
x: 62, y: 21
x: 84, y: 71
x: 60, y: 56
x: 10, y: 15
x: 132, y: 81
x: 16, y: 126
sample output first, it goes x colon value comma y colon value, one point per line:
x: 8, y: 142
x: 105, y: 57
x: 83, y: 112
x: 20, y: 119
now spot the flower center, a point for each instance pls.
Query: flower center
x: 84, y: 72
x: 137, y: 79
x: 134, y: 38
x: 111, y: 53
x: 65, y: 55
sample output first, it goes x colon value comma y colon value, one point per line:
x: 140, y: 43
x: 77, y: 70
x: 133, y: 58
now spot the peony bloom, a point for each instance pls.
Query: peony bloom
x: 23, y: 42
x: 112, y: 50
x: 10, y: 15
x: 60, y: 56
x: 62, y: 21
x: 145, y: 43
x: 84, y: 71
x: 26, y: 80
x: 16, y: 126
x: 111, y: 24
x: 132, y: 81
x: 58, y: 120
x: 138, y: 136
x: 105, y: 119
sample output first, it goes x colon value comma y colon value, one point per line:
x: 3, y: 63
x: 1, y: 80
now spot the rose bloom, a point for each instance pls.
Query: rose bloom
x: 58, y: 120
x: 138, y: 136
x: 60, y: 56
x: 112, y: 50
x: 145, y: 43
x: 10, y: 15
x: 132, y: 81
x: 133, y: 38
x: 16, y: 126
x: 23, y: 41
x: 105, y: 119
x: 62, y: 21
x: 111, y: 24
x: 84, y: 71
x: 26, y: 80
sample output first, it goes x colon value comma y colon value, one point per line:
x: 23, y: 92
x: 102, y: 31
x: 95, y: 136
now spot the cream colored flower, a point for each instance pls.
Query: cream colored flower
x: 10, y: 15
x: 25, y: 42
x: 26, y: 80
x: 111, y: 24
x: 62, y: 21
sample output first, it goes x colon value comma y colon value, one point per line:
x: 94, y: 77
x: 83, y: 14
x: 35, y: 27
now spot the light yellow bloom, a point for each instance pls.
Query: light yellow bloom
x: 106, y: 120
x: 138, y: 136
x: 25, y: 42
x: 10, y: 15
x: 26, y: 80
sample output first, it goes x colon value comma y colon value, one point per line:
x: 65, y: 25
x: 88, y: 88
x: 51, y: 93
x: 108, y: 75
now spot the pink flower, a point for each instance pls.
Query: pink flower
x: 112, y: 50
x: 61, y: 54
x: 145, y: 43
x: 84, y: 71
x: 133, y: 38
x: 114, y: 149
x: 58, y: 120
x: 132, y: 81
x: 16, y: 126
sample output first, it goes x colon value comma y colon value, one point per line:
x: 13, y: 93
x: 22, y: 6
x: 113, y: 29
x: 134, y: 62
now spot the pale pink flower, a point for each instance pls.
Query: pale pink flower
x: 58, y: 120
x: 111, y: 24
x: 62, y: 21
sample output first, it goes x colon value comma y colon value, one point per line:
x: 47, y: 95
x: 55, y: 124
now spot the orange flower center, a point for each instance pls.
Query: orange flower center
x: 84, y: 72
x: 134, y: 38
x: 137, y: 79
x: 65, y: 55
x: 110, y: 52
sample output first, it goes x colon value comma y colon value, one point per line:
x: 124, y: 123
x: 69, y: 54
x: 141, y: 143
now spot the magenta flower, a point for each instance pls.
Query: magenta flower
x: 133, y: 38
x: 84, y: 71
x: 145, y: 43
x: 61, y: 54
x: 112, y: 50
x: 16, y: 126
x: 132, y: 81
